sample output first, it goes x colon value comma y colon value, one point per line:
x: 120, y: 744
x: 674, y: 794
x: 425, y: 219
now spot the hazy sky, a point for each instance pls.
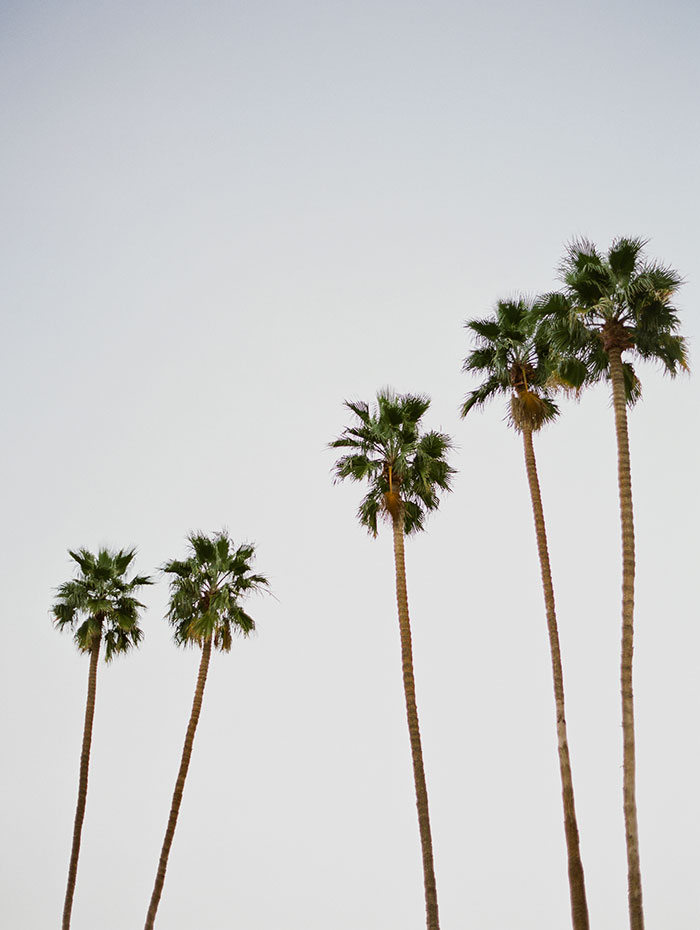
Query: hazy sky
x: 219, y: 221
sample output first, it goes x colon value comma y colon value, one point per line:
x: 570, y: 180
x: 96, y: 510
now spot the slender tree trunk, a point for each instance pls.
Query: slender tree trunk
x: 634, y: 875
x: 83, y: 782
x: 577, y: 887
x: 179, y: 785
x: 431, y: 903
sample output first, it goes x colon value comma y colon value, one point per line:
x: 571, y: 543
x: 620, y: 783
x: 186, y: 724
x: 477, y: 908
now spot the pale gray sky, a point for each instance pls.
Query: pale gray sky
x: 220, y: 220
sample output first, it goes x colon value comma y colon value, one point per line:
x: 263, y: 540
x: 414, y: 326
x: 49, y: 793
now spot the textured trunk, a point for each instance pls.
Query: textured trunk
x: 179, y: 785
x: 634, y: 875
x: 577, y: 887
x: 83, y: 783
x: 431, y: 904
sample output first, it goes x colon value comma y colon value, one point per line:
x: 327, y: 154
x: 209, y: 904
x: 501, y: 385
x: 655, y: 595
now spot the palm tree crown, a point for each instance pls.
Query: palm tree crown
x: 616, y: 302
x: 100, y: 602
x: 517, y: 360
x: 206, y: 588
x: 404, y: 469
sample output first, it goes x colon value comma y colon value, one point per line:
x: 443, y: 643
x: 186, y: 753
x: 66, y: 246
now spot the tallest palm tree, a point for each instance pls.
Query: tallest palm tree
x: 405, y: 471
x: 618, y: 306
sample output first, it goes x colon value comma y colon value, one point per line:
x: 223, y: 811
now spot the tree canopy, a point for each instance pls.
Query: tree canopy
x: 404, y: 468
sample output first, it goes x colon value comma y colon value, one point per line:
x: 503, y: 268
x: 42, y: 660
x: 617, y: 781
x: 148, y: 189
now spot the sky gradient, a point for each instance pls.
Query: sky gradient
x: 221, y: 220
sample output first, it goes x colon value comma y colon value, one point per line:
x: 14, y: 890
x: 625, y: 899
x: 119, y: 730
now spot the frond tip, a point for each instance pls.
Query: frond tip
x: 405, y: 469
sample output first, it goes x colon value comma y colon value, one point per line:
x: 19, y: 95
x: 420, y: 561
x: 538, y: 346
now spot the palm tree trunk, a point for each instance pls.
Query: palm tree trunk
x: 634, y: 875
x: 179, y: 785
x: 431, y: 903
x: 577, y: 887
x: 83, y: 781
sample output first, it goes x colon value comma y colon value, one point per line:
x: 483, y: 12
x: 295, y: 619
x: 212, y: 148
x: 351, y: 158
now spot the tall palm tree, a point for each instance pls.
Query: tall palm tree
x: 616, y: 305
x: 205, y: 610
x: 405, y: 471
x: 98, y: 605
x: 517, y: 363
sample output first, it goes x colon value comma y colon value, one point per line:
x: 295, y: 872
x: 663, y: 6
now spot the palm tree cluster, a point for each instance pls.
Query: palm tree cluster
x: 611, y: 305
x: 613, y: 310
x: 205, y: 610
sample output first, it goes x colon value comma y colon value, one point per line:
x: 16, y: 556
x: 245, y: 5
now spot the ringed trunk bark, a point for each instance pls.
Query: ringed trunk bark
x: 634, y: 875
x: 179, y: 785
x: 431, y: 903
x: 83, y: 781
x: 577, y: 887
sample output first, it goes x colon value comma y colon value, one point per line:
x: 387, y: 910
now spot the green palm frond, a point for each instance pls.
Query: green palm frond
x: 623, y: 256
x: 401, y: 465
x: 370, y: 509
x: 484, y: 358
x: 492, y: 387
x: 488, y: 329
x: 414, y: 518
x: 632, y: 384
x: 572, y: 373
x: 99, y: 602
x: 360, y: 409
x: 206, y: 590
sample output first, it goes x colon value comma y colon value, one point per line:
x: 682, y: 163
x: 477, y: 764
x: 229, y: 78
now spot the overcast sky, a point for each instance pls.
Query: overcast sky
x: 221, y: 219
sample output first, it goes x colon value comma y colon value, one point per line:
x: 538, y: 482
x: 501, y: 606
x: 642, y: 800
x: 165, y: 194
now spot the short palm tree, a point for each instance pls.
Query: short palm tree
x: 616, y: 305
x: 405, y: 471
x: 516, y: 363
x: 205, y: 610
x: 97, y: 606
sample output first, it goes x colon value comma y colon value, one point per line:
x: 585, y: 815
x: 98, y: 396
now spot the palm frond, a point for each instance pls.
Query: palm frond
x: 482, y: 359
x: 369, y: 510
x: 633, y: 386
x: 492, y: 387
x: 413, y: 518
x: 623, y: 256
x: 488, y: 329
x: 359, y: 408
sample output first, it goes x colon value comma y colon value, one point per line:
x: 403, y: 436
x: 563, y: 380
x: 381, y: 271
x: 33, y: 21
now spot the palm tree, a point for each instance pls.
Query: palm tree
x: 205, y: 610
x: 614, y: 305
x: 98, y: 605
x: 405, y: 472
x: 516, y: 363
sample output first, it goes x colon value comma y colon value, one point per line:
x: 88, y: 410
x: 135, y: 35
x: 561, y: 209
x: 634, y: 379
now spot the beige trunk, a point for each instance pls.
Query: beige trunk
x: 179, y: 785
x: 577, y: 888
x: 634, y: 875
x: 83, y: 782
x: 431, y: 903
